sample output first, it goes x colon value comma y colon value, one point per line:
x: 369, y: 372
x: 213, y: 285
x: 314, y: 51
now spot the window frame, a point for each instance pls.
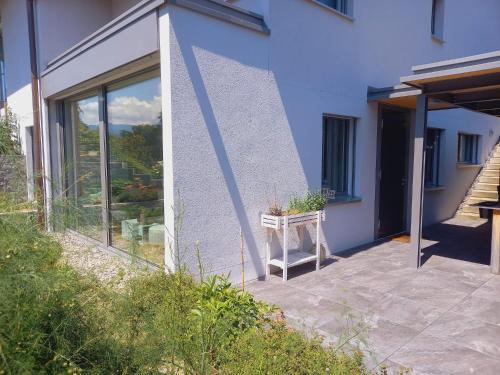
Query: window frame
x: 435, y: 180
x: 437, y: 20
x: 475, y: 142
x: 346, y: 8
x: 349, y: 155
x: 63, y: 117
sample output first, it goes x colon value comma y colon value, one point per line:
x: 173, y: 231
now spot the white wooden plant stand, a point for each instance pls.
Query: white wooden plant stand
x: 297, y: 257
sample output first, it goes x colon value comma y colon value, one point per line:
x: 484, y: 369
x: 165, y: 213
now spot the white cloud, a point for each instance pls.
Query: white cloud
x: 89, y: 113
x: 132, y: 111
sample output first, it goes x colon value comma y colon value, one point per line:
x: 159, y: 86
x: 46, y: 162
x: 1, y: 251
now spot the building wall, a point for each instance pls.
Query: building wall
x: 247, y: 113
x: 17, y: 63
x: 63, y: 23
x: 120, y: 6
x: 456, y: 179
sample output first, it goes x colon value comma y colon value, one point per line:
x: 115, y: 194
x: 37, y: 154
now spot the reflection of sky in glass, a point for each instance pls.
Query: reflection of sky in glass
x: 136, y: 104
x: 89, y: 111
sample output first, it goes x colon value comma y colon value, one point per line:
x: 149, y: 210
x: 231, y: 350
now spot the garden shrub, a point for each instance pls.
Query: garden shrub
x: 281, y: 350
x: 53, y: 321
x: 49, y: 317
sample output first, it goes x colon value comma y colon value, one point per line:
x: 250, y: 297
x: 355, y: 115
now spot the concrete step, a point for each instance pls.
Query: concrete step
x: 492, y: 167
x: 486, y: 186
x: 495, y: 180
x: 471, y: 215
x: 469, y: 210
x: 494, y: 159
x: 476, y: 193
x: 490, y: 173
x: 474, y: 200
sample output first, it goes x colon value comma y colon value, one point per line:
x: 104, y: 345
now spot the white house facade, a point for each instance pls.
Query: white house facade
x: 158, y: 113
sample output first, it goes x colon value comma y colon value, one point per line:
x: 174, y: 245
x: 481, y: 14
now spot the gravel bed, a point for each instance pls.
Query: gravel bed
x: 89, y: 259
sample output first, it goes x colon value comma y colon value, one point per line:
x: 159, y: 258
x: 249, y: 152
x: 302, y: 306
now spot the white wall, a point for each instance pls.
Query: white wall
x: 442, y: 204
x: 17, y: 63
x: 63, y: 23
x: 247, y: 110
x: 120, y: 6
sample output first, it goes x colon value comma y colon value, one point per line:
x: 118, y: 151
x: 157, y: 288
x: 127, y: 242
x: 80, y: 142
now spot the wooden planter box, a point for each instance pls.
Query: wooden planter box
x: 291, y: 258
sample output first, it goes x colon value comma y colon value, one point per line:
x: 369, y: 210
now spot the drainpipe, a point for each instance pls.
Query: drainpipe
x: 37, y: 129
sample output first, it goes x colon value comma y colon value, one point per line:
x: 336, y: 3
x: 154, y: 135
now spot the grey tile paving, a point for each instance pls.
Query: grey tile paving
x: 441, y: 319
x: 430, y: 355
x: 344, y: 292
x: 474, y: 334
x: 405, y: 312
x: 479, y: 308
x: 489, y: 290
x: 433, y: 295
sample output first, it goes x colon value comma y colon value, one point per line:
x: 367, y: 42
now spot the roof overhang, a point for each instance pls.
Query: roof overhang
x: 471, y: 82
x: 403, y: 96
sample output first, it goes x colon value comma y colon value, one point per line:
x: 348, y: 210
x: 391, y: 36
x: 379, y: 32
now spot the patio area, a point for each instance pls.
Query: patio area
x: 443, y: 318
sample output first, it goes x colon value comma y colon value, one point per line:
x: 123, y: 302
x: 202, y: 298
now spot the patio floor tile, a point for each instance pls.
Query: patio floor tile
x: 381, y: 281
x: 473, y: 272
x: 429, y: 277
x: 474, y: 334
x: 406, y: 312
x: 304, y: 309
x: 376, y: 338
x: 479, y: 308
x: 429, y: 294
x: 490, y: 290
x: 441, y: 319
x: 344, y: 292
x: 433, y: 356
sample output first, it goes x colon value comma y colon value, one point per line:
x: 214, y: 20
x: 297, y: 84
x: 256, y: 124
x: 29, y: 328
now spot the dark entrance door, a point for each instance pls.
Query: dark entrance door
x: 393, y: 172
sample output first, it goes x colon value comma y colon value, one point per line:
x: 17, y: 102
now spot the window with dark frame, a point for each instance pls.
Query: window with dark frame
x: 437, y: 18
x: 340, y: 5
x: 432, y: 157
x: 338, y: 155
x: 467, y: 148
x: 124, y: 118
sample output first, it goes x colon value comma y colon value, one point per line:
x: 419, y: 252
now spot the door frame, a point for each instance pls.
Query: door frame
x: 378, y: 169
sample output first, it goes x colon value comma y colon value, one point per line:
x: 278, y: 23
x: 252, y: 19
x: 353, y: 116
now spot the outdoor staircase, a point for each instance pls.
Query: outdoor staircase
x: 485, y: 186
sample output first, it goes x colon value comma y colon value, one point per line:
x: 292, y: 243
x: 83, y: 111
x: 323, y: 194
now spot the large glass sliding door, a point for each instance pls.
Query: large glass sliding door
x: 83, y: 167
x: 132, y: 170
x: 135, y: 168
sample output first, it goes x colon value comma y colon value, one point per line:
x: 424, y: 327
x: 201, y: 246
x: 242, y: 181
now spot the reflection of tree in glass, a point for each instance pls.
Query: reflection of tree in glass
x: 141, y: 147
x: 89, y: 159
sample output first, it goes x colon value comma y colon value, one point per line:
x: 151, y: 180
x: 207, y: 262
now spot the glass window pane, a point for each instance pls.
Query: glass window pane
x: 336, y: 155
x: 136, y: 170
x: 83, y: 169
x: 432, y: 157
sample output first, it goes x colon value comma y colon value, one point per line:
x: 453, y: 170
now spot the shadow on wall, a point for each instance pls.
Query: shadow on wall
x: 225, y: 111
x: 214, y: 132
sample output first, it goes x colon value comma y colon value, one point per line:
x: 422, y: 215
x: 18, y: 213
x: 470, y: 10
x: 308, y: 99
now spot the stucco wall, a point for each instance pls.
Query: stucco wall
x: 120, y: 6
x: 247, y: 109
x: 442, y: 204
x: 17, y: 63
x: 63, y: 23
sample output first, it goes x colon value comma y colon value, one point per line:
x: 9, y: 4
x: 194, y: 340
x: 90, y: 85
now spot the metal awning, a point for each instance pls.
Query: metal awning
x: 403, y: 96
x: 471, y: 82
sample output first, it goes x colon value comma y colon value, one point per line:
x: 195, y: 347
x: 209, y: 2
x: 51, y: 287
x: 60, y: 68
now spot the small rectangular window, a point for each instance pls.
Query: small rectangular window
x: 432, y: 157
x: 343, y: 6
x: 437, y: 20
x: 467, y: 148
x: 338, y: 155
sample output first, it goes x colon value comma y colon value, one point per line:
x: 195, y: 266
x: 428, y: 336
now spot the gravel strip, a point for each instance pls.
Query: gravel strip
x: 90, y: 260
